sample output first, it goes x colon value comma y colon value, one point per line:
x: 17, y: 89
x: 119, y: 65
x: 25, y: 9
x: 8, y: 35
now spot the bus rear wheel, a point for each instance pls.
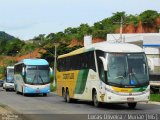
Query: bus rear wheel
x: 95, y: 100
x: 132, y: 105
x: 68, y: 99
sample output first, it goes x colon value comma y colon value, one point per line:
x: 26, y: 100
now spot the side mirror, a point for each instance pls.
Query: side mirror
x: 23, y: 71
x: 150, y: 64
x: 50, y: 71
x: 105, y: 62
x: 5, y: 75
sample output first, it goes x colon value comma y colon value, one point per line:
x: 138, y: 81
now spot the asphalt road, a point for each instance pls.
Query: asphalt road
x: 54, y: 107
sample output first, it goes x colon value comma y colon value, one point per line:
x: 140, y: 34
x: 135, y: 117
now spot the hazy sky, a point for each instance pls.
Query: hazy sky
x: 28, y: 18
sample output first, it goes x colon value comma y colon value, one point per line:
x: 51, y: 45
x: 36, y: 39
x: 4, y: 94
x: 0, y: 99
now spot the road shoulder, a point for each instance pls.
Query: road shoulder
x: 7, y: 113
x: 153, y: 102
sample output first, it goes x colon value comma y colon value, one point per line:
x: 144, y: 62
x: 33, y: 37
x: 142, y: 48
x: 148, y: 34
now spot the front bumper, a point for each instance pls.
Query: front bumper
x: 37, y: 89
x: 9, y: 86
x: 125, y: 97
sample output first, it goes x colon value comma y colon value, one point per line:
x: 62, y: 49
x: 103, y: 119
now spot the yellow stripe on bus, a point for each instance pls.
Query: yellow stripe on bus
x: 67, y: 79
x: 127, y: 90
x: 81, y: 50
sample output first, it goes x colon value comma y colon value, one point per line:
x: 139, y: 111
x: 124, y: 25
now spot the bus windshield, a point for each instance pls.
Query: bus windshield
x: 127, y: 69
x: 37, y: 74
x: 10, y: 76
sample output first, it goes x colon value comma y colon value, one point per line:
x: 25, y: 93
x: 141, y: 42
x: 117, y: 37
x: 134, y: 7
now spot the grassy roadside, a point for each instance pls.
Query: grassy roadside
x: 52, y: 88
x: 155, y: 97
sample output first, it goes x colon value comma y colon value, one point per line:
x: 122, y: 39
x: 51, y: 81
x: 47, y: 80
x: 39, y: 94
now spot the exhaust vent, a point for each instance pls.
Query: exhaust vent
x: 87, y: 40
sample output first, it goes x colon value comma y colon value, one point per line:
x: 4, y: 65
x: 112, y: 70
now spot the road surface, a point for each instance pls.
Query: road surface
x: 53, y: 106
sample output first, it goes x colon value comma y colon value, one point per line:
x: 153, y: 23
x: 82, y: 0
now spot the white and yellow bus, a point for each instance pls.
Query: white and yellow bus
x: 104, y: 72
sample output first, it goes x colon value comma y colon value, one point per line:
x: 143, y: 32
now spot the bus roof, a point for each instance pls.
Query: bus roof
x: 10, y: 67
x: 107, y: 47
x: 33, y: 62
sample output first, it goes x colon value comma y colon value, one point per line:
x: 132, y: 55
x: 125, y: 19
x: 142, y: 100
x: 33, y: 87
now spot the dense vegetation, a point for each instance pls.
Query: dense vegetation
x: 101, y: 28
x: 98, y: 30
x: 5, y: 36
x: 12, y: 46
x: 9, y: 45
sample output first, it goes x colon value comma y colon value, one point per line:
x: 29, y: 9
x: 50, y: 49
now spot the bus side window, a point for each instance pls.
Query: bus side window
x: 102, y: 73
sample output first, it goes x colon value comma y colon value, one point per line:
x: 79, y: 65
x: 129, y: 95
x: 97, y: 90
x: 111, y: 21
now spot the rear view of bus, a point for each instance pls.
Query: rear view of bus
x: 32, y: 76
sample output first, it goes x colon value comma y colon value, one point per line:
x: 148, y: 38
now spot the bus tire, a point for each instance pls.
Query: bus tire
x: 44, y: 94
x: 64, y: 95
x: 151, y: 91
x: 68, y: 99
x: 16, y: 90
x: 95, y: 99
x: 132, y: 105
x: 23, y: 92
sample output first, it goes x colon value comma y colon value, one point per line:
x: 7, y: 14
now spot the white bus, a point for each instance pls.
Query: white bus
x: 32, y: 76
x: 153, y: 56
x: 9, y: 78
x: 104, y: 72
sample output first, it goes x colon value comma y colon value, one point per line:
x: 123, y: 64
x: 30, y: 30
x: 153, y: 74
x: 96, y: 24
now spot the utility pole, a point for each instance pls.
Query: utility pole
x: 55, y: 62
x: 30, y: 54
x: 121, y: 29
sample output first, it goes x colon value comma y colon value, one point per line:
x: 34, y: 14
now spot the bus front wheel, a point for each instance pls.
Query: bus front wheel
x: 23, y: 92
x: 64, y: 95
x: 44, y: 94
x: 132, y: 105
x: 95, y: 100
x: 16, y: 90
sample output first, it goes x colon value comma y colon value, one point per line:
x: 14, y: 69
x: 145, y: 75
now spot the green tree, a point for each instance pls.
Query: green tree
x: 51, y: 36
x: 60, y: 36
x: 83, y: 29
x: 70, y: 31
x: 117, y: 16
x: 132, y: 19
x: 3, y: 46
x: 148, y: 16
x: 39, y: 37
x: 12, y: 47
x: 62, y: 49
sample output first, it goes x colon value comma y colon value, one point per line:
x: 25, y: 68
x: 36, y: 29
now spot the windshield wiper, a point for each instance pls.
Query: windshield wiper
x: 119, y: 77
x: 123, y: 78
x: 34, y: 78
x: 41, y: 79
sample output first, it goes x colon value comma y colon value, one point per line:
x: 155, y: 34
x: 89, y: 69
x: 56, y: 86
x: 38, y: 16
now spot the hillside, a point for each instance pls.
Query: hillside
x: 72, y: 37
x: 5, y: 36
x: 33, y: 54
x: 141, y: 28
x: 146, y: 22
